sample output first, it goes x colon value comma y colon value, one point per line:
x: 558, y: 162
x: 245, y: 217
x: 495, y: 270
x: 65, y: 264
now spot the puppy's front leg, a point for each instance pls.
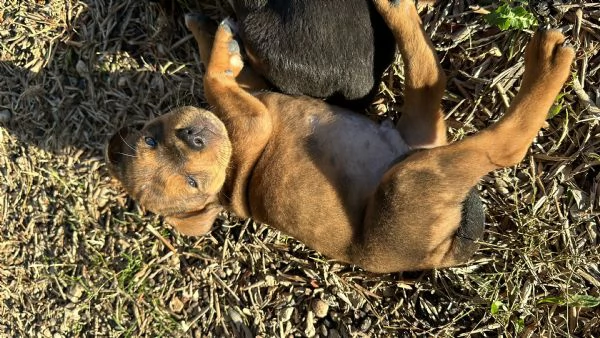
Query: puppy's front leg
x: 203, y: 29
x: 246, y: 118
x: 220, y: 85
x: 422, y: 123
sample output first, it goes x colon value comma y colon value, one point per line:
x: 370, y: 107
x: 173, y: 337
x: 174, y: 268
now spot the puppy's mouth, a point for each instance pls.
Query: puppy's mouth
x: 191, y: 206
x: 190, y: 214
x: 184, y: 215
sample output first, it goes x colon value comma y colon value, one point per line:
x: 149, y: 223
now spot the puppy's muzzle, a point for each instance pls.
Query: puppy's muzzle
x: 194, y: 137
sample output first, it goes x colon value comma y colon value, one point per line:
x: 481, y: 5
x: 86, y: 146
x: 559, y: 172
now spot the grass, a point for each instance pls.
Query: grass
x: 79, y: 258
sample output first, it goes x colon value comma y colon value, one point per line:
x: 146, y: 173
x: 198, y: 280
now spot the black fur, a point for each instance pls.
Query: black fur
x: 471, y: 226
x: 334, y: 49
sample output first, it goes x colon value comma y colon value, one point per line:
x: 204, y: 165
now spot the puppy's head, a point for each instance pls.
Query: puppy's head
x: 175, y: 166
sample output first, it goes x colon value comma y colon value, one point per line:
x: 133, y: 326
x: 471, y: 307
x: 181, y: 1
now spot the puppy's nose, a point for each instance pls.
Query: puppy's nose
x: 193, y: 136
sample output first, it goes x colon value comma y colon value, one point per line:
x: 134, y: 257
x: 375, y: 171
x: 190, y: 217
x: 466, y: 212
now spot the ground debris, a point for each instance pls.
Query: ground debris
x: 78, y: 257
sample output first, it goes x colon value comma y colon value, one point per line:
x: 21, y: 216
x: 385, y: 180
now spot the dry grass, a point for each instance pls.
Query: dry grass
x: 78, y: 257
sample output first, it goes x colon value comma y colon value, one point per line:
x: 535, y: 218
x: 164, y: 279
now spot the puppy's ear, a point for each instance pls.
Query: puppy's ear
x: 118, y: 149
x: 197, y: 223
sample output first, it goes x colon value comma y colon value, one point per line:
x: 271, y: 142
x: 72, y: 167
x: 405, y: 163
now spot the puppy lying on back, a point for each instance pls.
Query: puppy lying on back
x: 385, y: 198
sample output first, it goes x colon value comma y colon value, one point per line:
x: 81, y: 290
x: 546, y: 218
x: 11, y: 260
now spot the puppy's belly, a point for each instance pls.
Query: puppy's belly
x: 352, y: 151
x: 317, y: 173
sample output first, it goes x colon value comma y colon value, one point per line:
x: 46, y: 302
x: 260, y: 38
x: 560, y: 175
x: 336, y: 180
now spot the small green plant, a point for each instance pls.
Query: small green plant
x: 502, y: 313
x: 497, y: 306
x: 558, y: 105
x: 126, y: 276
x: 508, y: 17
x: 572, y: 300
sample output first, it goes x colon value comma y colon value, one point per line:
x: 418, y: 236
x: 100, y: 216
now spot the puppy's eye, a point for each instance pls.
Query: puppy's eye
x: 150, y: 141
x: 192, y: 182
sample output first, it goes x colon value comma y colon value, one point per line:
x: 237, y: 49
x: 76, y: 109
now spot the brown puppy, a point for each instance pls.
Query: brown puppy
x: 347, y: 187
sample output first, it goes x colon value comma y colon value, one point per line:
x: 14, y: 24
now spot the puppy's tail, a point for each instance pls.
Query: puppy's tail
x: 470, y: 230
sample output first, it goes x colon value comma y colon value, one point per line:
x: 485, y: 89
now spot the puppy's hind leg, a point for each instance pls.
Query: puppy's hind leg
x: 422, y: 123
x: 547, y: 66
x: 414, y: 219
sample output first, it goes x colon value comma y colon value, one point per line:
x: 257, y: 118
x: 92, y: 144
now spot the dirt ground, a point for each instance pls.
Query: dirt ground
x: 79, y: 258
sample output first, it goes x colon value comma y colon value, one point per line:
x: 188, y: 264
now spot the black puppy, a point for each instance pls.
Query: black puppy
x: 333, y: 49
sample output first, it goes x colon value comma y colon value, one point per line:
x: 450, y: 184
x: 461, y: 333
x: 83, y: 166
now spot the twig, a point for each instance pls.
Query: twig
x: 503, y: 95
x: 584, y: 98
x: 162, y: 239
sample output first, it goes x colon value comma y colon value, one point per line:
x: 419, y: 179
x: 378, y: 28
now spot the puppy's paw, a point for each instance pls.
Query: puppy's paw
x: 548, y: 57
x: 392, y: 5
x: 230, y: 25
x: 226, y: 58
x: 400, y: 15
x: 235, y: 59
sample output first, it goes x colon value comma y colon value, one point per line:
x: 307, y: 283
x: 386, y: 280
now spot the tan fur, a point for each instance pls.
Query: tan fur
x: 332, y: 178
x: 422, y: 121
x: 204, y: 34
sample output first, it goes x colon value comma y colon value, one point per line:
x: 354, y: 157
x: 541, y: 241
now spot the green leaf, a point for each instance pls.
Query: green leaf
x: 575, y: 300
x: 519, y: 324
x: 496, y: 307
x: 506, y: 17
x: 552, y: 300
x: 556, y: 107
x: 554, y: 111
x: 584, y: 301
